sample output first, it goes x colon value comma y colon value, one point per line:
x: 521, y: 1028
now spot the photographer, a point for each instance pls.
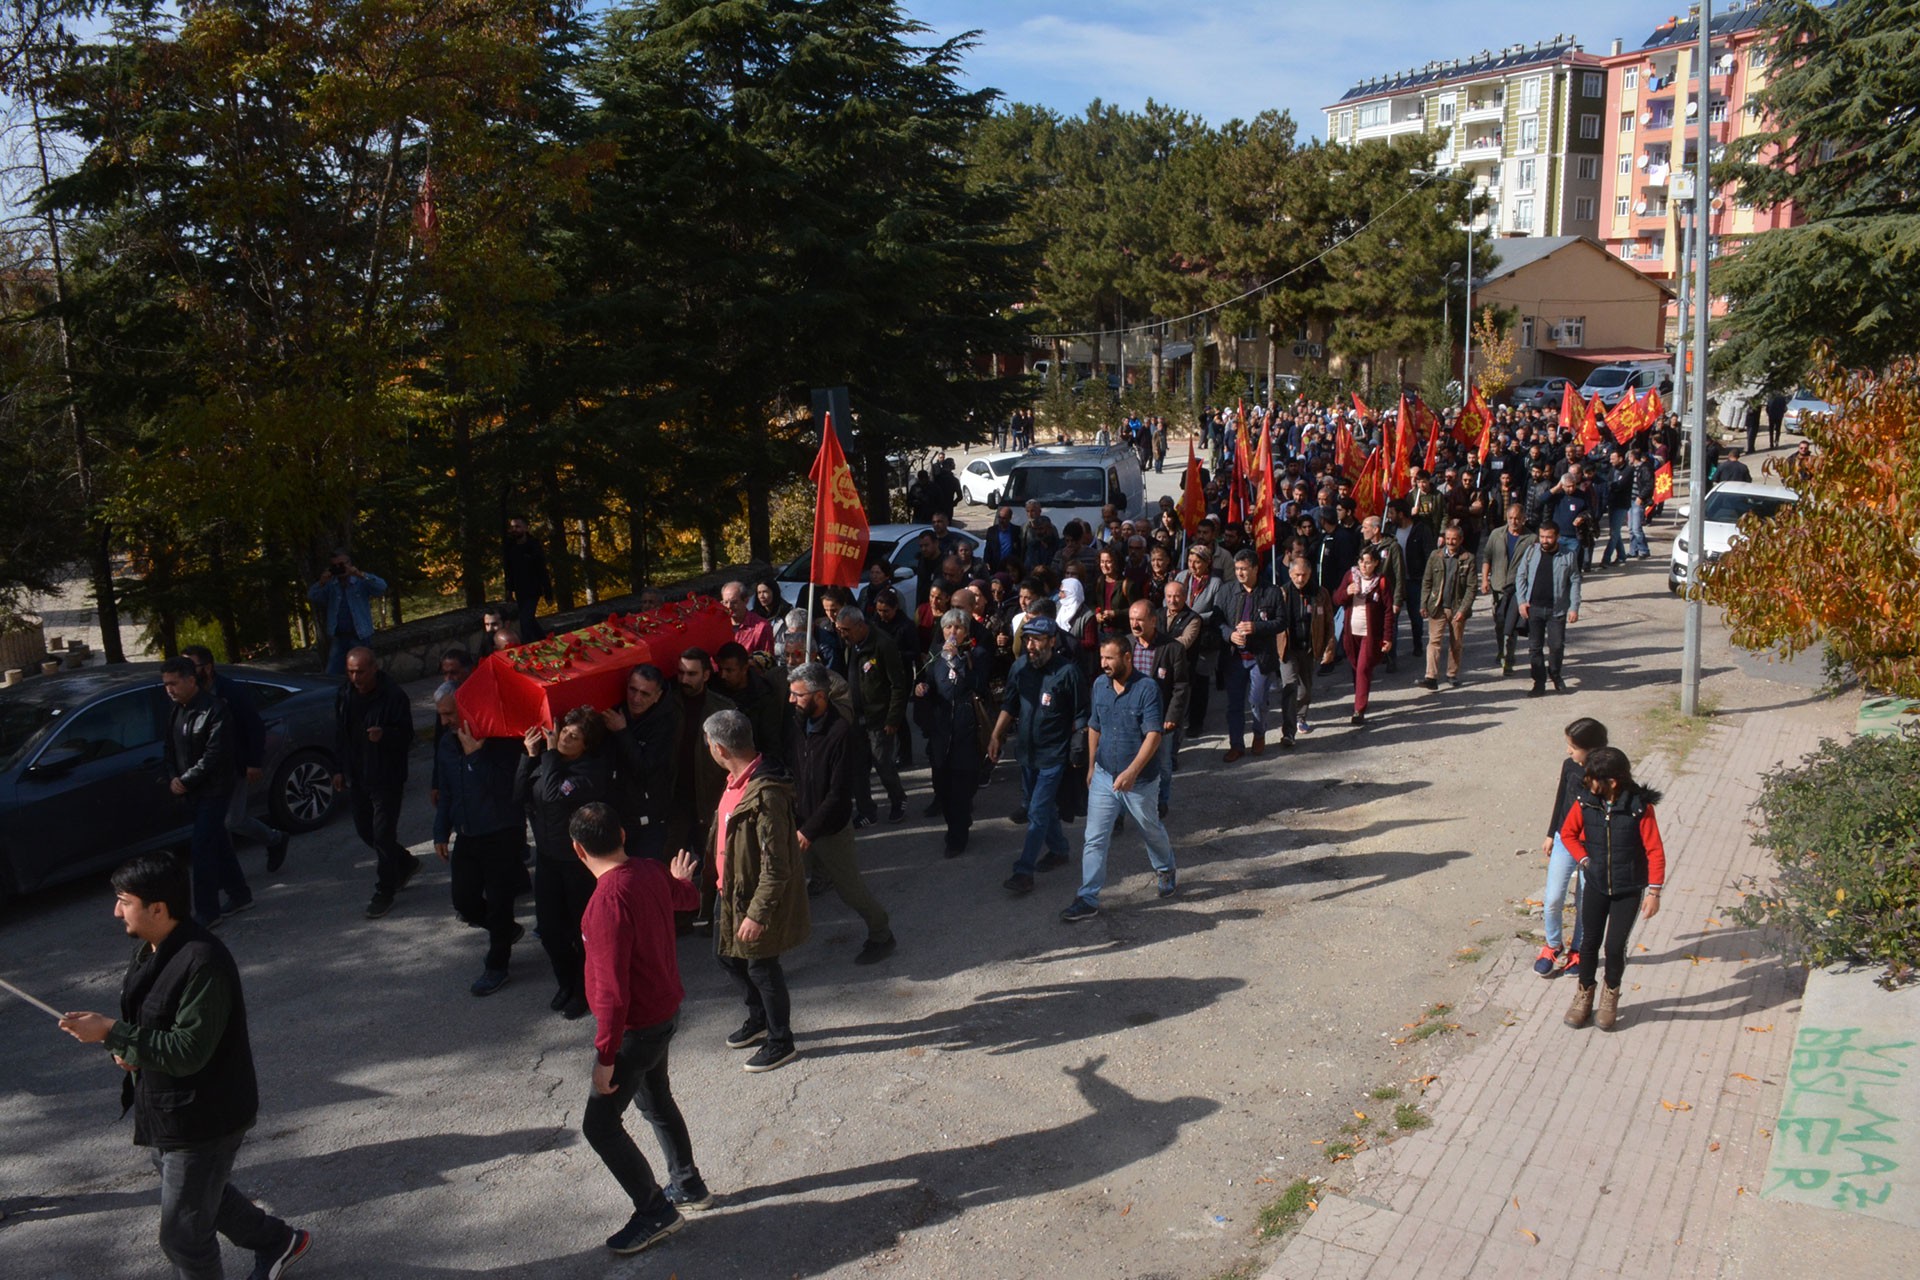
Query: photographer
x: 343, y: 597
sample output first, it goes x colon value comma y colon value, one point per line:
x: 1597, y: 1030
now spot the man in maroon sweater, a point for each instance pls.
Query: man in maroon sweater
x: 633, y: 988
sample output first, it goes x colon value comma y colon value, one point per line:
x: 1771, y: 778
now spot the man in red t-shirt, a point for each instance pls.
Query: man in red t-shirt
x: 633, y: 988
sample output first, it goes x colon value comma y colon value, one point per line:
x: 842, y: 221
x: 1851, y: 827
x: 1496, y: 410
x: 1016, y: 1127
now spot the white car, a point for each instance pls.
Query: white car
x: 1804, y: 402
x: 897, y: 544
x: 984, y: 479
x: 1726, y: 503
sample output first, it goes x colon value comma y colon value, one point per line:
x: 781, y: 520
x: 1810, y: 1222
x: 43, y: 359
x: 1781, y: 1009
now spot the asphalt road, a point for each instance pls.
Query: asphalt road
x: 1008, y: 1096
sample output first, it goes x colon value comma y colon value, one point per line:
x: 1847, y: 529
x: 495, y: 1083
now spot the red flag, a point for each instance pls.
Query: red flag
x: 1242, y: 469
x: 1424, y: 420
x: 1662, y: 483
x: 1652, y: 409
x: 1344, y: 450
x: 1590, y: 424
x: 839, y: 521
x: 1193, y: 498
x: 1475, y: 425
x: 1369, y: 491
x: 426, y: 212
x: 1399, y: 483
x: 1263, y: 513
x: 1625, y: 422
x: 1360, y: 406
x: 1569, y: 407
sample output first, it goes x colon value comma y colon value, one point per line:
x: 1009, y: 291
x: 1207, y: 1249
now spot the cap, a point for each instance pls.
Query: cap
x: 1040, y: 627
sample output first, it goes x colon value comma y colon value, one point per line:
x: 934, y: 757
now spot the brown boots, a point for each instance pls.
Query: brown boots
x: 1609, y: 1009
x: 1581, y: 1010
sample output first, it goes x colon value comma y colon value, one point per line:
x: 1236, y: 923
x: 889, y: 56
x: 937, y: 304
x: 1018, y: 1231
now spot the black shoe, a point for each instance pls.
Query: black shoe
x: 1077, y: 910
x: 1429, y: 683
x: 379, y: 905
x: 1018, y: 884
x: 575, y: 1008
x: 1506, y: 666
x: 1559, y: 685
x: 897, y: 811
x: 1052, y: 860
x: 489, y: 982
x: 1536, y: 691
x: 413, y: 869
x: 934, y: 810
x: 1286, y: 744
x: 863, y: 820
x: 875, y: 950
x: 645, y: 1229
x: 692, y: 1194
x: 1356, y: 720
x: 1018, y: 817
x: 770, y: 1056
x: 560, y: 999
x: 272, y: 1265
x: 277, y: 851
x: 751, y: 1032
x: 232, y: 908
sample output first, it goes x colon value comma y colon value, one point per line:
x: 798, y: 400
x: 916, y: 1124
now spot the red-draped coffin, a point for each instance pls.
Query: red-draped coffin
x: 536, y: 684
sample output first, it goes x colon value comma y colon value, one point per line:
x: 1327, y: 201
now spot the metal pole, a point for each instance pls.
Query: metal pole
x: 1680, y: 343
x: 1703, y: 313
x: 1466, y: 339
x: 810, y: 602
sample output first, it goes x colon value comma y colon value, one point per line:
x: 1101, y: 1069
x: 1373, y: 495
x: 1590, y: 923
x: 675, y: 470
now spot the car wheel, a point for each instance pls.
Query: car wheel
x: 301, y: 797
x: 993, y: 499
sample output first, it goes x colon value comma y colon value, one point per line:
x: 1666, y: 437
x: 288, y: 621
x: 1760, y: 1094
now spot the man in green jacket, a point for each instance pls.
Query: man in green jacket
x: 1497, y: 565
x: 181, y: 1039
x: 878, y: 681
x: 1446, y: 595
x: 762, y: 909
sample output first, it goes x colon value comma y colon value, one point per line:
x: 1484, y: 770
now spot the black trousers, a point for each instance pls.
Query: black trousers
x: 954, y: 789
x: 1508, y: 626
x: 640, y: 1078
x: 487, y: 873
x: 1546, y: 644
x: 1605, y: 921
x: 198, y: 1205
x: 376, y: 817
x: 764, y: 985
x: 1198, y: 694
x: 560, y: 893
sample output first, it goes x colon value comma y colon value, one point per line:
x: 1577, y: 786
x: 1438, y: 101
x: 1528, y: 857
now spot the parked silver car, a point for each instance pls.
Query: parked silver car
x: 83, y: 768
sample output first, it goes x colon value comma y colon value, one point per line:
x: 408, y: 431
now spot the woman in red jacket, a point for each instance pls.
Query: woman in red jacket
x: 1366, y: 636
x: 1615, y: 841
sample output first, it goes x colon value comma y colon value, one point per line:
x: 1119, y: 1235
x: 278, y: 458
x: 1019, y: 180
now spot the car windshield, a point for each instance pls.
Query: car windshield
x: 1058, y: 486
x: 1609, y: 377
x: 1727, y: 508
x: 22, y: 717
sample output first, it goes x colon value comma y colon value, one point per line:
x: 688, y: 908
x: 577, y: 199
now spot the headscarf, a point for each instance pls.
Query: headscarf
x: 1073, y: 600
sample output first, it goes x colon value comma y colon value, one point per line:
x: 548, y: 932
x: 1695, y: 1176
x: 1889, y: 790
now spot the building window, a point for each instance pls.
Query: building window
x: 1523, y: 175
x: 1630, y: 79
x: 1590, y: 127
x: 1624, y: 165
x: 1446, y: 110
x: 1523, y: 214
x: 1593, y: 84
x: 1587, y: 168
x: 1756, y: 59
x: 1530, y: 94
x: 1374, y: 113
x: 1526, y: 332
x: 1530, y: 134
x: 1583, y: 209
x: 1573, y: 331
x: 1626, y: 122
x: 1717, y: 113
x: 1622, y: 206
x: 1346, y: 124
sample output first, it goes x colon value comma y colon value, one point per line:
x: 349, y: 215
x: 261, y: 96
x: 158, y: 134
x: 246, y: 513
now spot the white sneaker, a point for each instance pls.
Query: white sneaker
x: 1303, y: 728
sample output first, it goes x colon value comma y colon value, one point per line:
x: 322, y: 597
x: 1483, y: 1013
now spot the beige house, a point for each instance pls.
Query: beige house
x: 1575, y: 306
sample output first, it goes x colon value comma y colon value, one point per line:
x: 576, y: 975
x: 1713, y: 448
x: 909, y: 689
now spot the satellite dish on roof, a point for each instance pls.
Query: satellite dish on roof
x: 1641, y: 163
x: 1640, y: 206
x: 1693, y: 109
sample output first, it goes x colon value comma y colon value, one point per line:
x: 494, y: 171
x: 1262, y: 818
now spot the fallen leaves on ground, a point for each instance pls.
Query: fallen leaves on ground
x: 1676, y: 1106
x: 1741, y: 1075
x: 1761, y: 1030
x: 1531, y: 1237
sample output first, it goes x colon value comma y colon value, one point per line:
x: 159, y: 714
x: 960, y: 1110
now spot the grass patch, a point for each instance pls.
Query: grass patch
x: 1385, y: 1093
x: 1407, y: 1117
x: 1674, y: 735
x: 1246, y: 1269
x: 1428, y: 1030
x: 1438, y: 1011
x: 1285, y: 1213
x: 1340, y: 1150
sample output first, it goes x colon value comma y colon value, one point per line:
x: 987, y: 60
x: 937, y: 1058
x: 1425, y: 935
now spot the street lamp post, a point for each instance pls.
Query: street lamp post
x: 1466, y: 321
x: 1702, y: 314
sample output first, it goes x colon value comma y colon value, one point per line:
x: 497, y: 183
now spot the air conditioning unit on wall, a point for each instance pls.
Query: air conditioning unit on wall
x: 1553, y: 333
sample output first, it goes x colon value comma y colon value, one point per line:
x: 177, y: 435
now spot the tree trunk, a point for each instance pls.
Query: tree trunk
x: 100, y: 565
x: 1154, y: 376
x: 876, y: 483
x: 584, y: 548
x: 759, y: 520
x: 562, y: 564
x: 709, y: 543
x: 1273, y: 367
x: 1059, y: 354
x: 222, y: 593
x: 636, y: 539
x: 473, y: 564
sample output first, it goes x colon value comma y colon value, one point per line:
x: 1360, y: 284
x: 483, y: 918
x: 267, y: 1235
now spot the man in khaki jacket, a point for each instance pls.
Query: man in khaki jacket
x: 1446, y: 595
x: 762, y: 907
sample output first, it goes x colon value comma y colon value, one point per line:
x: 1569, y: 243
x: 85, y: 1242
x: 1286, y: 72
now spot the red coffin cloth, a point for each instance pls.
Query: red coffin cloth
x: 500, y: 701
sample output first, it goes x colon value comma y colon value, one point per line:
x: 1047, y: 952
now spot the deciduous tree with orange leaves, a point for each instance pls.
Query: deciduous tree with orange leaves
x: 1843, y: 564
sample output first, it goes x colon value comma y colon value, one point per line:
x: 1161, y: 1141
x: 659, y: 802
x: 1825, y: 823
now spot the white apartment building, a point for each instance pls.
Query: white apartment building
x: 1524, y: 123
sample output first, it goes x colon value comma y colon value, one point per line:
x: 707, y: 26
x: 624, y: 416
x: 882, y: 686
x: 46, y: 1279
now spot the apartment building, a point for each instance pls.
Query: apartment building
x: 1656, y: 119
x: 1527, y: 124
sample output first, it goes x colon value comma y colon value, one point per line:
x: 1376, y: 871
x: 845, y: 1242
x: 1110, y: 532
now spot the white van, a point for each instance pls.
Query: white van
x: 1072, y: 482
x: 1611, y: 381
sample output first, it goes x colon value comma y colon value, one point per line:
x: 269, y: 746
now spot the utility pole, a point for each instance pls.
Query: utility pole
x: 1703, y: 315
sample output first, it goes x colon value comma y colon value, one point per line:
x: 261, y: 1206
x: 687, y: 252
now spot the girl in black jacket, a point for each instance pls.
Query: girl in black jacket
x: 564, y: 769
x: 1615, y: 841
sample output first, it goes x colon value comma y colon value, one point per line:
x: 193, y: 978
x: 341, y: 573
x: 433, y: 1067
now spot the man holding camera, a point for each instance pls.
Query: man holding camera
x: 344, y: 599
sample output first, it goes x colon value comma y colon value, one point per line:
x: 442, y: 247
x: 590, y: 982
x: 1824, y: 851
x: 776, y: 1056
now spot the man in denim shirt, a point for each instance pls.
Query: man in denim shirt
x: 344, y: 597
x: 1047, y: 697
x: 1123, y: 737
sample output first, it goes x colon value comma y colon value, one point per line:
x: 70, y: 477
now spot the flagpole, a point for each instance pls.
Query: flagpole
x: 810, y: 602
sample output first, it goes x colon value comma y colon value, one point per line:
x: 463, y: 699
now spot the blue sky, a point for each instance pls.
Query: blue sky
x: 1226, y: 58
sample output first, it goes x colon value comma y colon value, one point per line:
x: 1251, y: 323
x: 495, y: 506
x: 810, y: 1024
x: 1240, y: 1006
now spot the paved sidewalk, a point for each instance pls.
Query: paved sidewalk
x: 1580, y: 1153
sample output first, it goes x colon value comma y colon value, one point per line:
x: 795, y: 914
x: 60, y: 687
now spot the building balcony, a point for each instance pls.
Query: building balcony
x: 1490, y: 109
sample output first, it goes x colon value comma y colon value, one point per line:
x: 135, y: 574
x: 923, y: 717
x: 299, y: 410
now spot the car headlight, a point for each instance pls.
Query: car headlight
x: 1680, y: 545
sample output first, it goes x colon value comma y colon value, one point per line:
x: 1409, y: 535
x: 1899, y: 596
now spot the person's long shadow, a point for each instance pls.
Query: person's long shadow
x: 1034, y: 1017
x: 1761, y: 985
x: 372, y: 1171
x: 778, y: 1230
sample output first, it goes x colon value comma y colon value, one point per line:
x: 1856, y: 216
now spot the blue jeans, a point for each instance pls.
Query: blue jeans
x: 1043, y: 816
x: 198, y: 1206
x: 1560, y: 869
x: 1169, y: 743
x: 1616, y: 545
x: 1637, y: 530
x: 338, y: 650
x: 214, y: 865
x: 1246, y: 687
x: 1102, y: 801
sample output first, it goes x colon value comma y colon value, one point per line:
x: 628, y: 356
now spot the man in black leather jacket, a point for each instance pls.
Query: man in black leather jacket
x: 200, y: 770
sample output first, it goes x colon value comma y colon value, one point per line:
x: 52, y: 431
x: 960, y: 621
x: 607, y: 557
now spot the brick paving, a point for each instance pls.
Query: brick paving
x: 1557, y: 1152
